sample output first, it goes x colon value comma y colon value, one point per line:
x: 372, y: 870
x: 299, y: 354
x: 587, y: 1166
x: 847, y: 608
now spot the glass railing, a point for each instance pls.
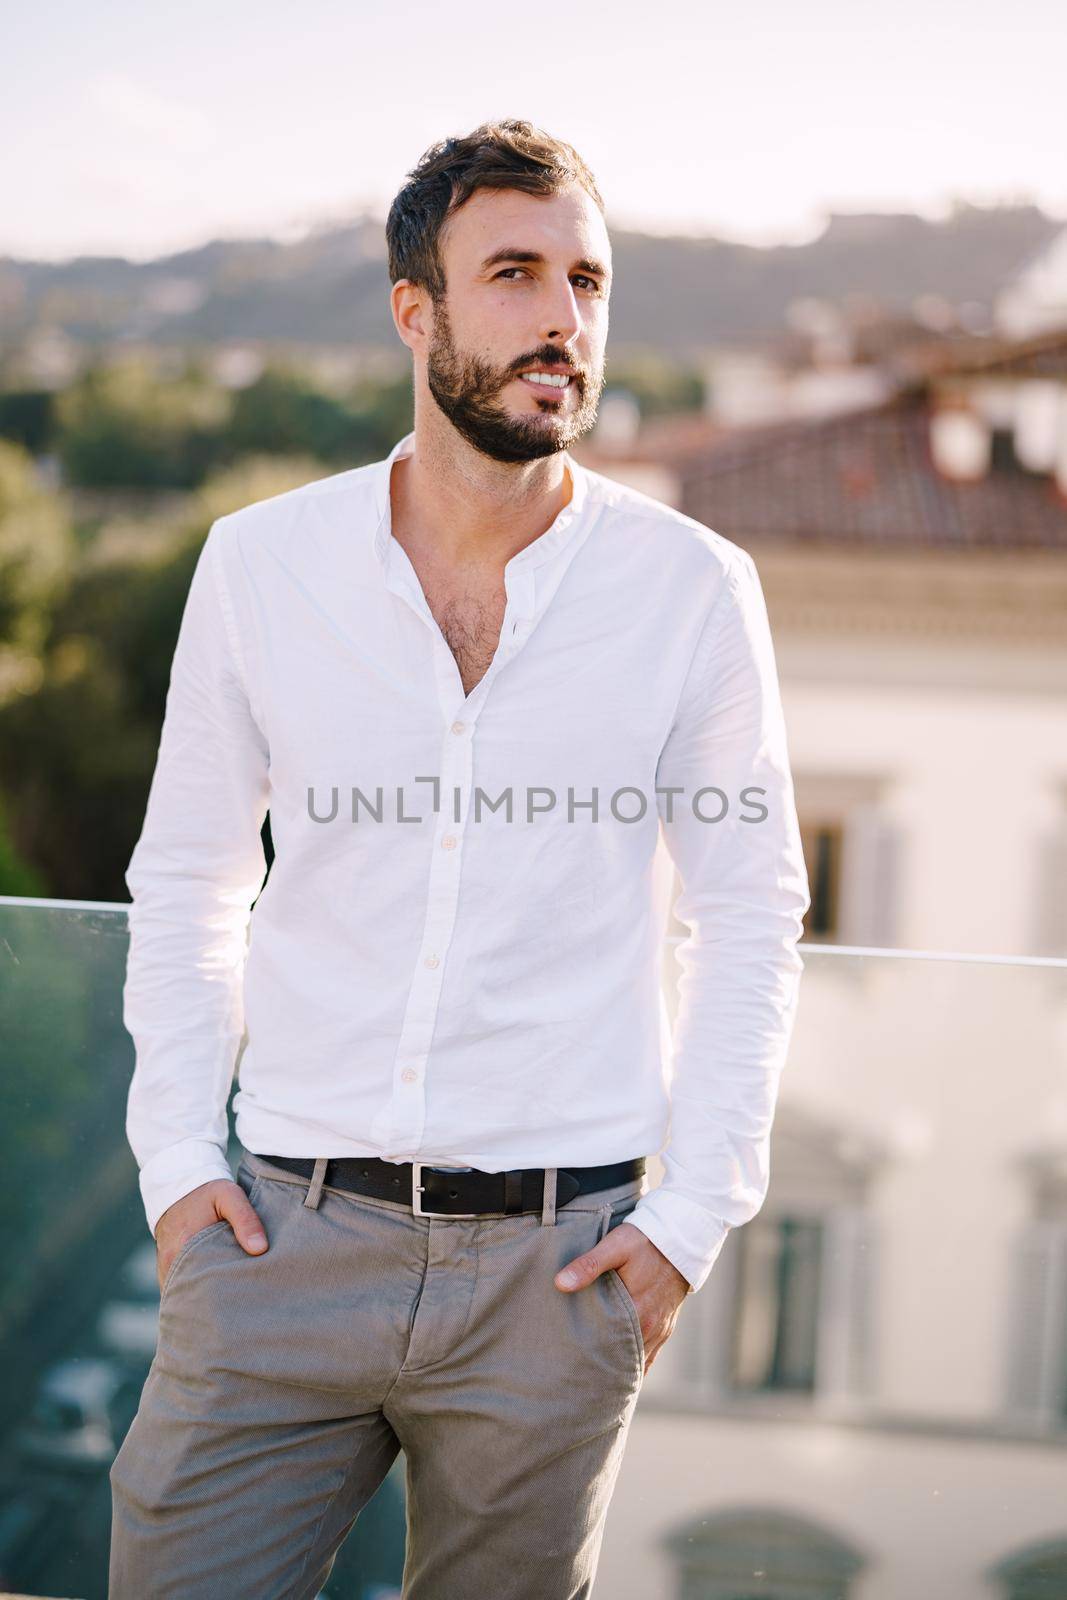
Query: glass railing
x: 868, y: 1398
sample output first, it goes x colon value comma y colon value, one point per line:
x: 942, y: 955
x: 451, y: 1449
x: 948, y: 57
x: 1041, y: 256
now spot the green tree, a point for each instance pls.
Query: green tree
x: 27, y: 417
x: 36, y: 550
x: 284, y: 411
x: 661, y: 387
x: 17, y: 877
x: 122, y: 427
x: 252, y: 478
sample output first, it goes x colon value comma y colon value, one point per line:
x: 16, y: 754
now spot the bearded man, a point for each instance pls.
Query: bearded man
x: 440, y: 1237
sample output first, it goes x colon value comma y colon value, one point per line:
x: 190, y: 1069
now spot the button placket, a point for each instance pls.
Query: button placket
x: 442, y: 902
x: 459, y: 718
x: 530, y: 579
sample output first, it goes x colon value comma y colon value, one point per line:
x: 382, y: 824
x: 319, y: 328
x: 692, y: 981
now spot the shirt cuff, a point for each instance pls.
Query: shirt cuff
x: 176, y: 1171
x: 684, y: 1232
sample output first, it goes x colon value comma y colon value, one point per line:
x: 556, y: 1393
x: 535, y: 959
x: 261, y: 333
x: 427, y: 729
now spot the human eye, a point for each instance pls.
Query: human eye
x: 506, y: 270
x: 593, y: 283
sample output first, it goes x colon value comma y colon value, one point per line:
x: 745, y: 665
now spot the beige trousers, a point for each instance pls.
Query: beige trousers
x: 285, y: 1384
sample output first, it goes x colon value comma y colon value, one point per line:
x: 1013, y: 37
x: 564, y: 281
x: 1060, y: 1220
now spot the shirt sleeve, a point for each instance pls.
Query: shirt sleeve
x: 193, y: 876
x: 744, y: 893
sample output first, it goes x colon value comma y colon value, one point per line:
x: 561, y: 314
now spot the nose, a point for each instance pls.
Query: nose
x: 561, y: 320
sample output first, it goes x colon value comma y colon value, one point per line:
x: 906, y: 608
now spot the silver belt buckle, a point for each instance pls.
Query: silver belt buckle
x: 417, y: 1188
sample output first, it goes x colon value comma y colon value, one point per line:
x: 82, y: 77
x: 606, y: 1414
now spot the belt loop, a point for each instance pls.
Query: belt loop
x: 605, y: 1219
x: 315, y: 1187
x: 548, y: 1209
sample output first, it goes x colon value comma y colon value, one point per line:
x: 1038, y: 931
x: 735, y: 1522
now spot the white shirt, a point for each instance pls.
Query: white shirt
x: 454, y: 987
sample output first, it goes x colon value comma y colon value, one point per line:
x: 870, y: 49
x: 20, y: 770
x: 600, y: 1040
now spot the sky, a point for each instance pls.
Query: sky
x: 134, y: 129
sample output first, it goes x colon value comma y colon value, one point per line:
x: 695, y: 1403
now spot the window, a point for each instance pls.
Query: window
x: 1037, y: 1308
x: 1039, y: 1573
x: 852, y: 851
x: 790, y: 1307
x: 822, y: 857
x: 740, y: 1553
x: 1048, y: 869
x: 777, y: 1309
x: 1002, y: 453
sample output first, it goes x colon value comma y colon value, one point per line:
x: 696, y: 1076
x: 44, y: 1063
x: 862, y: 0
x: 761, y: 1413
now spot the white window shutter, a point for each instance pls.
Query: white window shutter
x: 706, y: 1328
x: 1049, y: 896
x: 870, y: 879
x: 1037, y: 1332
x: 848, y: 1319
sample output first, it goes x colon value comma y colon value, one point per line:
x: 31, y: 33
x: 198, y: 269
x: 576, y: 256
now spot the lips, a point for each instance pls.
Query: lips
x: 548, y: 379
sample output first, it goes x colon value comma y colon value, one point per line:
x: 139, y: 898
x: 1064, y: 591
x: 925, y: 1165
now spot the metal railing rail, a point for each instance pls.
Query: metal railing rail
x: 808, y: 949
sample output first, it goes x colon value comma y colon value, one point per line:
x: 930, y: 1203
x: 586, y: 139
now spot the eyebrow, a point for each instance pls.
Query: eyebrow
x: 595, y: 269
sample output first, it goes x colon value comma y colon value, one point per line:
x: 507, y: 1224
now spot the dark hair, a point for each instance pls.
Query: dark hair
x: 498, y: 155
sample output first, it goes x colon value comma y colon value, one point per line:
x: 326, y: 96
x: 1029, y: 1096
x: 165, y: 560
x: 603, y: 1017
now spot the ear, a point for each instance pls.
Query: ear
x: 410, y: 307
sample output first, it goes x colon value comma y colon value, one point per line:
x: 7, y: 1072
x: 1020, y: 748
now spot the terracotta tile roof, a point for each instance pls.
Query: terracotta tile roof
x: 662, y: 441
x: 866, y: 477
x: 1042, y: 356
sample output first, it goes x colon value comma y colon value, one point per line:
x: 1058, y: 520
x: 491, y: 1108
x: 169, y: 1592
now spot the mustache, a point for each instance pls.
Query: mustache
x: 549, y: 355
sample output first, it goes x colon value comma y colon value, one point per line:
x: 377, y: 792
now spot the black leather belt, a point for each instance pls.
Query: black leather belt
x: 457, y: 1191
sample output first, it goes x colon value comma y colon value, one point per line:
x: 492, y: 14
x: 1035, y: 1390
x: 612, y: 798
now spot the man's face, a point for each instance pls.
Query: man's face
x: 528, y: 279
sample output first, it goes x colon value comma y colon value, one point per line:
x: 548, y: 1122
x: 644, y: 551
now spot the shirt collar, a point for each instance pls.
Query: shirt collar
x: 542, y: 549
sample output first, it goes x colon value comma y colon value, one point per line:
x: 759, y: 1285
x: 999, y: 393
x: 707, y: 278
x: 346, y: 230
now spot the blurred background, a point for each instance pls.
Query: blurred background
x: 839, y: 338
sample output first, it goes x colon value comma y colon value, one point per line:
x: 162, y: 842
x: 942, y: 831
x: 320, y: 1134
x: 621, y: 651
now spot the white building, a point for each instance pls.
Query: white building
x: 1034, y: 300
x: 868, y: 1399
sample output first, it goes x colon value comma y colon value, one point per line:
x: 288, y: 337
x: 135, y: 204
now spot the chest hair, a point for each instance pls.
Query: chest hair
x: 469, y: 617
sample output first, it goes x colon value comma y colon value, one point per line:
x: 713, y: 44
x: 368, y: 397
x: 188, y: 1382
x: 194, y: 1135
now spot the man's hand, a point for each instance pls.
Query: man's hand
x: 217, y: 1201
x: 653, y: 1283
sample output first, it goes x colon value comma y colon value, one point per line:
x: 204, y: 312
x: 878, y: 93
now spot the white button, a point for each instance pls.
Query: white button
x: 409, y: 1075
x: 448, y: 842
x: 432, y: 961
x: 458, y: 727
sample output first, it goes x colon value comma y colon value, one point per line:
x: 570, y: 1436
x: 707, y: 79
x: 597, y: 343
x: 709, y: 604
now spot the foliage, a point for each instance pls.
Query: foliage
x: 660, y: 387
x: 121, y: 426
x: 254, y: 478
x: 35, y: 546
x: 283, y: 411
x: 27, y: 417
x: 77, y: 760
x: 17, y: 877
x: 78, y: 747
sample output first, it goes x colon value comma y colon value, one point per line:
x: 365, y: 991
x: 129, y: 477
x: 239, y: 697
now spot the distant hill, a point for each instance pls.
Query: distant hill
x: 673, y: 294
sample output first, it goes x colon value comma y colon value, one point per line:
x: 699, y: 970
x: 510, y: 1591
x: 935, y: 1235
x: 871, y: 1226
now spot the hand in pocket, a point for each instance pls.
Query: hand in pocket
x: 220, y: 1200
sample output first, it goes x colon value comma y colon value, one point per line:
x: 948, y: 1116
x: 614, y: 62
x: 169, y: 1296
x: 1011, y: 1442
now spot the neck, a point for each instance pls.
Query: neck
x: 463, y: 506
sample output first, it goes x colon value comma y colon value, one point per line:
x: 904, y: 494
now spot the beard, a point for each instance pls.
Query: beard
x: 466, y: 389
